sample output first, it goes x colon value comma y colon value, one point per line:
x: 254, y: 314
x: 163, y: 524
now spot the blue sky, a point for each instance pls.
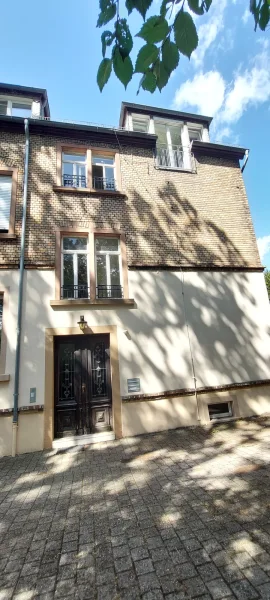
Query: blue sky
x: 56, y: 45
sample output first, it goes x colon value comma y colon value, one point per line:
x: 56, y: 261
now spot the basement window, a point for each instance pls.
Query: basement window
x: 221, y: 410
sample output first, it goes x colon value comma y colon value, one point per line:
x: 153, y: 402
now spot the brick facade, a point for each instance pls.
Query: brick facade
x: 169, y: 217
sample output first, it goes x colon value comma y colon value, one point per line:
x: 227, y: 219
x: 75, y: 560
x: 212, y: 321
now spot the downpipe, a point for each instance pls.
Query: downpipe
x: 20, y: 295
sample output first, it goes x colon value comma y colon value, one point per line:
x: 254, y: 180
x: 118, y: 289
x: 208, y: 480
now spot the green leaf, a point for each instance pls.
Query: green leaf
x: 149, y: 81
x: 107, y: 38
x: 147, y: 55
x: 104, y: 71
x: 140, y: 5
x: 163, y: 8
x: 122, y: 67
x: 185, y: 33
x: 264, y: 16
x: 195, y: 7
x: 170, y: 55
x: 207, y: 4
x: 124, y: 37
x: 162, y: 74
x: 154, y: 30
x: 107, y: 14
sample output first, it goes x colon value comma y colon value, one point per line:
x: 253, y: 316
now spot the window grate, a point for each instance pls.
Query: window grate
x: 220, y: 410
x: 74, y: 291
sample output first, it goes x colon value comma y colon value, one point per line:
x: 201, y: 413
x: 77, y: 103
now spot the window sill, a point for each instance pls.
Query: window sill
x: 128, y: 302
x: 176, y: 169
x: 87, y: 191
x: 4, y: 377
x: 8, y: 236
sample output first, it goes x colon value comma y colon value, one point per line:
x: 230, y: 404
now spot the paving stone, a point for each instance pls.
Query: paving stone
x: 139, y: 553
x: 218, y: 589
x: 122, y: 564
x: 169, y: 583
x: 148, y: 582
x: 121, y: 551
x: 185, y: 570
x: 144, y: 566
x: 127, y: 579
x: 194, y: 586
x: 264, y: 591
x: 199, y: 557
x: 243, y: 590
x: 208, y: 572
x: 231, y: 573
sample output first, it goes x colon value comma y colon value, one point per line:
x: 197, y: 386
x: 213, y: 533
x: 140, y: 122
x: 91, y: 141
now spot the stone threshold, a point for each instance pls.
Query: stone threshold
x: 83, y: 440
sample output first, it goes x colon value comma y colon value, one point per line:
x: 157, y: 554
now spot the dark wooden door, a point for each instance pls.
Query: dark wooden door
x: 82, y: 385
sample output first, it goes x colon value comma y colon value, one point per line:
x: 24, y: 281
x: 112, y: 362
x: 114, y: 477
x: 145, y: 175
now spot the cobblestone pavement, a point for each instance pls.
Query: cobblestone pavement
x: 176, y: 515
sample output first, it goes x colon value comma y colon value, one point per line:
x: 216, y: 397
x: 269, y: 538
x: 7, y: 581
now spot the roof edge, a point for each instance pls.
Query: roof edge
x: 154, y: 110
x: 219, y: 150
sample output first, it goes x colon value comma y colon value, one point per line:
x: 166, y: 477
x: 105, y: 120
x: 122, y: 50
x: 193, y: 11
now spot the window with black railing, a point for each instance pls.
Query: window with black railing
x: 74, y: 169
x: 103, y: 173
x: 108, y: 267
x: 75, y: 283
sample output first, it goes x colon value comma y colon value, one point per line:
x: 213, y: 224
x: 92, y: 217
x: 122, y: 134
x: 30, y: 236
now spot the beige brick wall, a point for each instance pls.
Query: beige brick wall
x: 169, y: 217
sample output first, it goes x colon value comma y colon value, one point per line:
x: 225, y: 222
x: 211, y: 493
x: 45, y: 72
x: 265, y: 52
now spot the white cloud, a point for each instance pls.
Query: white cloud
x: 205, y: 92
x: 263, y: 246
x: 246, y: 16
x: 249, y: 88
x: 208, y: 32
x: 210, y: 94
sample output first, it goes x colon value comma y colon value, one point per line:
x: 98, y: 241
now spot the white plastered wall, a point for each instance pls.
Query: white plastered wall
x: 228, y: 322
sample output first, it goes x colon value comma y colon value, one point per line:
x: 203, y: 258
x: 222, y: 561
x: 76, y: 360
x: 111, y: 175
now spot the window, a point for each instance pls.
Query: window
x: 103, y: 173
x: 195, y: 134
x: 140, y: 123
x: 16, y: 108
x: 5, y: 201
x: 75, y: 278
x: 108, y: 269
x: 1, y: 317
x: 169, y: 145
x: 220, y: 410
x: 74, y: 169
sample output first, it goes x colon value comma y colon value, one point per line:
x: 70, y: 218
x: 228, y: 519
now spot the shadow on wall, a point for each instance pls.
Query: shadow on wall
x: 197, y: 496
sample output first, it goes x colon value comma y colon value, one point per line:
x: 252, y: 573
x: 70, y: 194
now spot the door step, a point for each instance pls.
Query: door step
x: 83, y: 440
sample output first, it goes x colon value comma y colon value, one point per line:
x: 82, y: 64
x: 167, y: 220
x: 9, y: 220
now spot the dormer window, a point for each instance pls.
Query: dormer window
x: 140, y: 123
x: 16, y: 108
x: 195, y: 134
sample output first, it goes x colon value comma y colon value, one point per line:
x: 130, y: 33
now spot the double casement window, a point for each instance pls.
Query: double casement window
x: 74, y: 169
x: 91, y: 266
x: 8, y: 184
x: 108, y: 267
x: 75, y: 271
x: 93, y: 169
x: 169, y: 145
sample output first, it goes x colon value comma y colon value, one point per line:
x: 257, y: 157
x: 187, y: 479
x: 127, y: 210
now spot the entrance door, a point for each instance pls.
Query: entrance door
x: 82, y: 385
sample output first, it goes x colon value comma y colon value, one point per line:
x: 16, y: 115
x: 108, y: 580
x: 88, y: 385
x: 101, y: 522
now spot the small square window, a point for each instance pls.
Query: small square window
x: 21, y: 110
x: 195, y: 134
x: 221, y: 410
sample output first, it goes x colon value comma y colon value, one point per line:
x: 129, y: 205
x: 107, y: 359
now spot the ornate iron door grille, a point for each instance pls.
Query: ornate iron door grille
x: 82, y: 385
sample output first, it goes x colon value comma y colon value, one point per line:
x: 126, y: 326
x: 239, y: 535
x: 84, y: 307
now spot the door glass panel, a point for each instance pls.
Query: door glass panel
x: 175, y: 135
x: 115, y: 271
x: 82, y: 276
x: 99, y: 382
x: 160, y: 131
x: 68, y: 271
x: 101, y: 270
x: 66, y: 373
x: 75, y: 243
x: 107, y: 244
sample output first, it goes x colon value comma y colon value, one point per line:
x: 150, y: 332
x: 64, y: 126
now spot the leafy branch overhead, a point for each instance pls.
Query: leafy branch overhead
x: 165, y: 37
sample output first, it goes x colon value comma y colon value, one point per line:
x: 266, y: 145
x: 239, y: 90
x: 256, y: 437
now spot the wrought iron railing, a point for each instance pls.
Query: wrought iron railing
x: 75, y: 291
x: 77, y: 181
x: 109, y: 291
x: 174, y: 157
x: 104, y: 183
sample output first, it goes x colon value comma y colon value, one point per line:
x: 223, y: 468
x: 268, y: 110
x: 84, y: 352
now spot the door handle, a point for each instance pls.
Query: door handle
x: 83, y: 387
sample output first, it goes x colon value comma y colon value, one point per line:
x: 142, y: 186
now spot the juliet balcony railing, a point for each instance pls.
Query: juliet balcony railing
x: 109, y: 291
x: 75, y: 291
x: 103, y: 183
x: 174, y: 157
x: 77, y: 181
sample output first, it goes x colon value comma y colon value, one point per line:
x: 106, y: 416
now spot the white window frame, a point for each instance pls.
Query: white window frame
x: 219, y: 416
x: 75, y: 261
x: 76, y: 164
x: 108, y: 253
x: 197, y: 129
x: 140, y: 117
x: 15, y: 100
x: 169, y: 124
x: 104, y: 157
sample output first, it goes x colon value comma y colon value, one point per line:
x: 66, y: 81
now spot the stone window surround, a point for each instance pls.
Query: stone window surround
x: 4, y: 293
x: 12, y: 172
x: 90, y: 150
x: 91, y: 234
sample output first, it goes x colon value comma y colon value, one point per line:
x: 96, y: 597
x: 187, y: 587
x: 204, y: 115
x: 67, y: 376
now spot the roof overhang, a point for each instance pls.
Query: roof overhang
x: 27, y: 92
x: 89, y: 133
x: 218, y: 150
x: 162, y: 112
